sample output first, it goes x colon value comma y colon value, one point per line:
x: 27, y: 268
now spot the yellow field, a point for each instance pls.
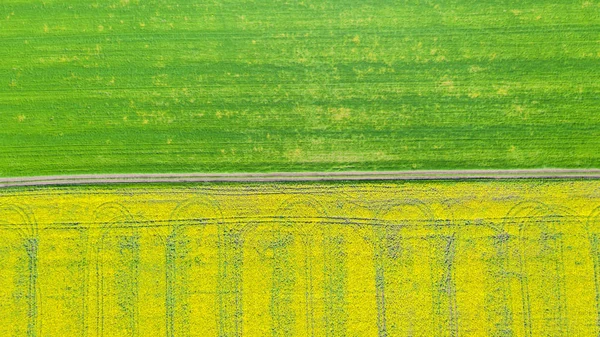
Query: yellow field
x: 486, y: 258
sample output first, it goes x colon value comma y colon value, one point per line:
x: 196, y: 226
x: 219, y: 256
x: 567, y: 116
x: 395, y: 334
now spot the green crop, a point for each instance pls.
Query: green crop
x: 222, y: 86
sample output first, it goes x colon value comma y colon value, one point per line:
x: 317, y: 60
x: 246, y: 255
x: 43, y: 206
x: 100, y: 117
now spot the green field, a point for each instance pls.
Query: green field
x: 221, y: 86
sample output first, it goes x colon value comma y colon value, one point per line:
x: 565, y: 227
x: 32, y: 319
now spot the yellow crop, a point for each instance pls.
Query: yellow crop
x: 479, y: 258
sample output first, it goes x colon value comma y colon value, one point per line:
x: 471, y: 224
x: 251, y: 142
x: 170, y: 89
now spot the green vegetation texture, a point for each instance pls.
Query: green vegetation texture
x: 232, y: 85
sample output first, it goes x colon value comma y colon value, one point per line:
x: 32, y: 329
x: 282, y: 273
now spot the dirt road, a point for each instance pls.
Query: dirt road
x: 96, y: 179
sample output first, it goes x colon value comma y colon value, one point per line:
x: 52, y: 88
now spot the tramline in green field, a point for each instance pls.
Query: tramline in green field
x: 187, y: 86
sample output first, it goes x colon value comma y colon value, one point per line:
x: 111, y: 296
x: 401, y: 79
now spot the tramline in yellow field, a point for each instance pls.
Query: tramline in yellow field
x: 494, y: 258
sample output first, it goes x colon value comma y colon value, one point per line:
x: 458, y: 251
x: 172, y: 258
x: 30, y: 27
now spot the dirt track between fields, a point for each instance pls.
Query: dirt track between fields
x: 94, y: 179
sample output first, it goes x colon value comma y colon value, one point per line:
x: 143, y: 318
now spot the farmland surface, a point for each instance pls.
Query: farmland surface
x: 495, y: 258
x: 221, y: 86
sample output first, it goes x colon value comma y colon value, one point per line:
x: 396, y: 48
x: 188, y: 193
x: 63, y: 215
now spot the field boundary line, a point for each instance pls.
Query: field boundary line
x: 95, y: 179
